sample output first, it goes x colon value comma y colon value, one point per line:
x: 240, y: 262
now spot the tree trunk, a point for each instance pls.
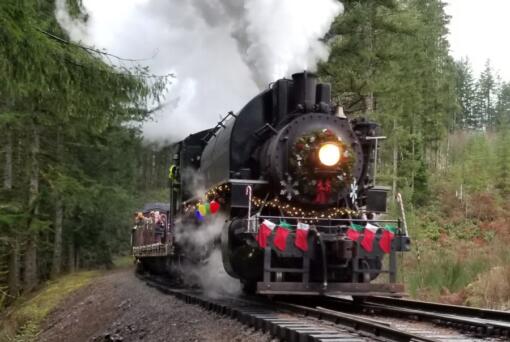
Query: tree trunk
x: 8, y: 160
x: 395, y: 163
x: 436, y: 156
x: 59, y: 215
x: 30, y: 264
x: 153, y: 169
x: 13, y: 270
x: 447, y: 156
x: 71, y: 257
x: 369, y: 104
x: 145, y: 170
x: 413, y: 169
x: 57, y: 243
x: 395, y: 170
x: 369, y: 98
x: 13, y: 278
x: 77, y: 258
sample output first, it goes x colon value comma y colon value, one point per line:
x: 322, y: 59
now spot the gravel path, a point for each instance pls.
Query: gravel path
x: 120, y: 307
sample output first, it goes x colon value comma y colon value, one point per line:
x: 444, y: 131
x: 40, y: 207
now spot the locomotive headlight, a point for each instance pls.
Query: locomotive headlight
x: 329, y: 154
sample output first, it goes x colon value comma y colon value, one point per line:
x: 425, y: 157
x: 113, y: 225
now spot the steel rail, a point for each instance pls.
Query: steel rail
x: 361, y: 325
x: 454, y: 319
x: 496, y: 315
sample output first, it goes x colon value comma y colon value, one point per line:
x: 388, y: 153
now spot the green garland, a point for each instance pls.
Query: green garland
x: 303, y: 162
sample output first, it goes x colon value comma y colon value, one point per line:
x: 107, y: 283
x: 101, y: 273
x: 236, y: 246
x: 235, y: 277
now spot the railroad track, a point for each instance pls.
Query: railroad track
x: 422, y: 318
x: 286, y: 321
x: 496, y: 315
x: 326, y: 319
x: 478, y: 322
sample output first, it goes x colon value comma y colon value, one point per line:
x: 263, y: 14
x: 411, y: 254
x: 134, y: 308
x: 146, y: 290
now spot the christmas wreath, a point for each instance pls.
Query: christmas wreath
x: 303, y: 165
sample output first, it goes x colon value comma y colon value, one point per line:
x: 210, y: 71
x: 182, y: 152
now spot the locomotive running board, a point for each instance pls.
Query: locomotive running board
x: 347, y: 289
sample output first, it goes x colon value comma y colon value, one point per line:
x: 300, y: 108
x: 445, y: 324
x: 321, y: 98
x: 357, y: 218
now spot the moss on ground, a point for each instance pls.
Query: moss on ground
x: 25, y: 316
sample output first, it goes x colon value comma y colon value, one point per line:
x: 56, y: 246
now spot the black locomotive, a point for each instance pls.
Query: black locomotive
x: 294, y: 178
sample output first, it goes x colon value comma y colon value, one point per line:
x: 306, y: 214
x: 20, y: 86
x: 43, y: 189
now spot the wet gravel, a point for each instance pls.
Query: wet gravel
x: 120, y: 307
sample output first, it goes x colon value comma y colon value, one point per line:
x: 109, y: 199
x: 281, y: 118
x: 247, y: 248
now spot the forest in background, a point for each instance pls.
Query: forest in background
x: 71, y: 148
x: 448, y: 143
x: 73, y: 171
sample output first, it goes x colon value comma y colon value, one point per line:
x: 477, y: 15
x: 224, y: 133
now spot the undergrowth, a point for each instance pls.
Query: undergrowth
x: 438, y: 272
x: 123, y: 261
x: 460, y: 256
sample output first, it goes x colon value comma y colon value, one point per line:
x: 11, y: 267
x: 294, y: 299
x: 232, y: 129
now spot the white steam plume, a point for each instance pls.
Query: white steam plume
x: 206, y: 270
x: 211, y: 277
x: 222, y: 51
x: 201, y: 245
x: 275, y: 38
x: 75, y: 27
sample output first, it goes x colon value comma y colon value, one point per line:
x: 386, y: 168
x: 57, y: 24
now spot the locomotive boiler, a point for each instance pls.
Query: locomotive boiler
x: 294, y: 179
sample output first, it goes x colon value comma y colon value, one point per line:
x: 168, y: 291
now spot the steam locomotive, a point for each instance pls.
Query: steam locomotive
x: 294, y: 181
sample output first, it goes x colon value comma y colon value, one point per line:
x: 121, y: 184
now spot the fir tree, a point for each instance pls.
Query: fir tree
x: 466, y: 116
x: 486, y: 97
x: 503, y: 107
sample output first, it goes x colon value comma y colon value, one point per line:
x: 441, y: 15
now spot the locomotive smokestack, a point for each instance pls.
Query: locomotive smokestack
x: 305, y: 90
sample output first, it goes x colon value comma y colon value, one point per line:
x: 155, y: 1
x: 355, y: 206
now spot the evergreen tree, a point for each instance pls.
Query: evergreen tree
x: 466, y: 116
x: 394, y: 54
x: 358, y: 52
x: 502, y: 114
x: 65, y: 111
x: 486, y: 97
x: 503, y: 107
x: 503, y: 161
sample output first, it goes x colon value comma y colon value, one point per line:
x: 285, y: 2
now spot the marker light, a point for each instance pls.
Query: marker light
x: 329, y: 154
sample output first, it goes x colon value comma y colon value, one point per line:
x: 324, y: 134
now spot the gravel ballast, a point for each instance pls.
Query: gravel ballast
x: 120, y: 307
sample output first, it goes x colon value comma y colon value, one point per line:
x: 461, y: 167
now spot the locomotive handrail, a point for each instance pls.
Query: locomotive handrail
x: 246, y: 181
x: 252, y: 221
x: 262, y: 130
x: 327, y: 219
x: 216, y: 128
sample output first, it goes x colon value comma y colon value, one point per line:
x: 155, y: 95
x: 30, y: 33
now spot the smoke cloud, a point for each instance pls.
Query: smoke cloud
x: 75, y: 27
x: 204, y: 267
x: 223, y: 52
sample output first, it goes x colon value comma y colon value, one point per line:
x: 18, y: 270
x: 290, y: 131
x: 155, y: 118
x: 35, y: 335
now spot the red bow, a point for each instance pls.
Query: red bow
x: 323, y: 190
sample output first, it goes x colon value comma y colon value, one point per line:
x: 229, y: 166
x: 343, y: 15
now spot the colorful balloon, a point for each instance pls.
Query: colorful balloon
x: 202, y: 209
x: 198, y: 215
x: 214, y: 206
